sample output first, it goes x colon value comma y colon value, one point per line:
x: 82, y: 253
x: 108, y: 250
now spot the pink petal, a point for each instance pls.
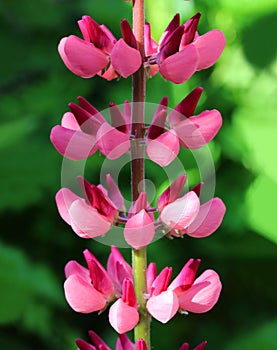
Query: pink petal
x: 82, y: 57
x: 82, y: 296
x: 172, y: 192
x: 141, y: 345
x: 151, y: 47
x: 124, y: 343
x: 151, y: 274
x: 114, y: 193
x: 161, y: 282
x: 111, y: 142
x: 210, y: 47
x: 185, y: 346
x: 128, y: 293
x: 64, y: 199
x: 164, y: 149
x: 173, y: 24
x: 69, y: 121
x: 118, y: 268
x: 198, y: 130
x: 181, y: 213
x: 96, y: 340
x: 86, y: 222
x: 123, y: 317
x: 163, y: 306
x: 201, y: 346
x: 74, y: 268
x: 186, y: 277
x: 139, y: 230
x: 208, y: 220
x: 108, y: 74
x: 125, y: 59
x: 179, y: 67
x: 138, y: 205
x: 203, y: 294
x: 75, y: 145
x: 83, y: 345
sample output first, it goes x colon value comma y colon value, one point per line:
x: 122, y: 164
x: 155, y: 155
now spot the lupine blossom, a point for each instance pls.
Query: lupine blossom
x: 90, y: 290
x: 84, y: 130
x: 123, y: 343
x: 185, y: 215
x: 185, y: 292
x: 99, y: 52
x: 93, y: 215
x: 181, y: 51
x: 180, y: 127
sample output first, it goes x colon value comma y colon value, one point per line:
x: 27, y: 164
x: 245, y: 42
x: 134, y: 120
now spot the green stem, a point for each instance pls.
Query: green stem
x: 139, y: 257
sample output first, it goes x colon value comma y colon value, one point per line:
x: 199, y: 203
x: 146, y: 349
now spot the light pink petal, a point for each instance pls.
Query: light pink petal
x: 139, y: 230
x: 181, y: 213
x: 86, y: 222
x: 161, y: 282
x: 118, y: 268
x: 198, y: 130
x: 74, y: 268
x: 114, y: 193
x: 82, y: 57
x: 123, y: 317
x: 125, y: 59
x: 124, y: 343
x: 111, y: 142
x: 210, y: 47
x: 163, y: 306
x: 75, y: 145
x: 69, y: 121
x: 179, y: 67
x: 164, y: 149
x: 64, y: 199
x: 82, y: 296
x: 208, y: 220
x: 203, y: 294
x: 108, y: 74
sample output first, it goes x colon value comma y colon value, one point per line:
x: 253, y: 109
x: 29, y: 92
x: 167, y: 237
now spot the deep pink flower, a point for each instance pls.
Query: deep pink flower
x: 185, y: 292
x: 99, y: 52
x: 87, y: 290
x: 90, y: 216
x: 123, y: 314
x: 84, y: 130
x: 185, y: 215
x: 181, y: 51
x: 184, y: 129
x: 97, y: 343
x: 139, y: 229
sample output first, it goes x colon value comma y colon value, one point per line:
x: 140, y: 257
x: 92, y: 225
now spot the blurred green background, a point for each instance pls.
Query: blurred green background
x: 35, y: 243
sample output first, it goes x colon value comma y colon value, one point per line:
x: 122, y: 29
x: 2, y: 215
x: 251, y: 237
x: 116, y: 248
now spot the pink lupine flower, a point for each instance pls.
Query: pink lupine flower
x: 91, y: 216
x: 197, y: 220
x: 99, y: 52
x: 201, y: 346
x: 123, y: 314
x: 184, y: 129
x: 97, y: 343
x: 181, y: 51
x: 185, y: 292
x: 84, y: 130
x: 118, y: 269
x: 87, y: 290
x: 196, y: 295
x: 139, y: 229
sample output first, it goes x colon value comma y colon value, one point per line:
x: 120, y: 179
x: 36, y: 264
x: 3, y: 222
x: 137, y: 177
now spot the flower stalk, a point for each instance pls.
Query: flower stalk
x: 139, y: 257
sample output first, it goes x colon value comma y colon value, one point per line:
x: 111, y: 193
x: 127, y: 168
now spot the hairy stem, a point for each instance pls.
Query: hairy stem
x: 139, y: 257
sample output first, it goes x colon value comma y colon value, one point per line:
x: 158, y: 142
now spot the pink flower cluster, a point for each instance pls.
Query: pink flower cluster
x: 92, y: 289
x: 181, y: 51
x: 122, y: 343
x: 84, y: 130
x: 178, y: 214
